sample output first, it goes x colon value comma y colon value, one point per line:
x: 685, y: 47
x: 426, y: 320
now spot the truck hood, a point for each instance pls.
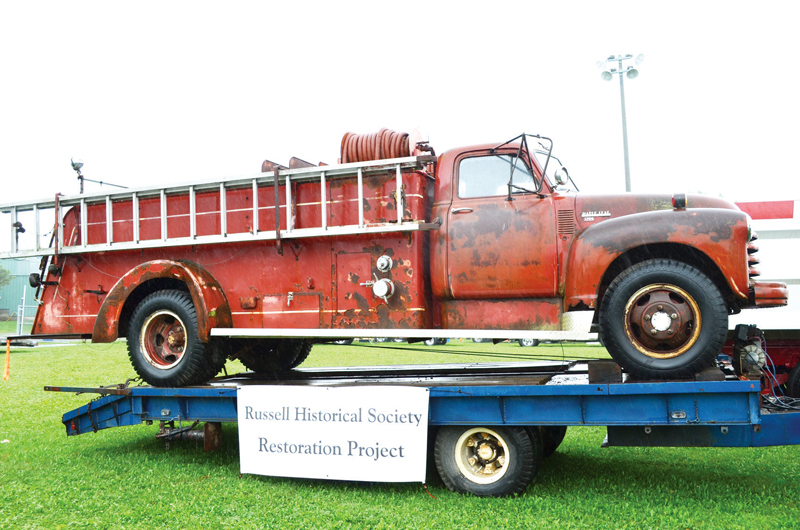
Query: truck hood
x: 590, y: 209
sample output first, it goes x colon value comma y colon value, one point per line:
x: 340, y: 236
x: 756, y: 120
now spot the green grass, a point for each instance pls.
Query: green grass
x: 125, y: 478
x: 9, y: 327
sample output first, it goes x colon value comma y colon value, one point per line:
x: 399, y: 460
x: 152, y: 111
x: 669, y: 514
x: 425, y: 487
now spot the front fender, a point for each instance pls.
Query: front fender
x: 720, y: 234
x: 210, y: 302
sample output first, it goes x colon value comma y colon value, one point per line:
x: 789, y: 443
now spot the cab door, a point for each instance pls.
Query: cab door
x: 500, y: 248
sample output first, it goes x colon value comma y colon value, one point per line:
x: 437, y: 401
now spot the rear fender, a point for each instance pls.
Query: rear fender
x: 720, y: 234
x: 213, y: 310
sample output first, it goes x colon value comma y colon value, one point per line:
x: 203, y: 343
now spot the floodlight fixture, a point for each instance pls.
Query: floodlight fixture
x: 631, y: 73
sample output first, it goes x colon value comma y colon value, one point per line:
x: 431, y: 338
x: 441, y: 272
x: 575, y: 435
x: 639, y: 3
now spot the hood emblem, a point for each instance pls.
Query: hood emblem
x: 589, y: 216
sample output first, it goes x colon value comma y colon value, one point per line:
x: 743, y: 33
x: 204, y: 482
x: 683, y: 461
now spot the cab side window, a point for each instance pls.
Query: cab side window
x: 488, y: 176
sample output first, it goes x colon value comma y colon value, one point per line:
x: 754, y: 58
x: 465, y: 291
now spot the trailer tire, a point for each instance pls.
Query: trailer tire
x: 268, y: 355
x: 163, y: 343
x: 663, y: 319
x: 552, y: 436
x: 793, y: 383
x: 487, y: 461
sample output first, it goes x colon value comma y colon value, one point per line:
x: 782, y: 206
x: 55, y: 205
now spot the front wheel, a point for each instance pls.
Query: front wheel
x: 663, y: 319
x: 163, y: 343
x: 527, y: 343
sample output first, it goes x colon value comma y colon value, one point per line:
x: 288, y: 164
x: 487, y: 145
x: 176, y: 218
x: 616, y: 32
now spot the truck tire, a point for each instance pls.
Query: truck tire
x: 163, y: 343
x: 268, y: 355
x: 527, y: 343
x: 663, y: 319
x: 487, y: 461
x: 793, y: 384
x: 343, y: 342
x: 435, y: 342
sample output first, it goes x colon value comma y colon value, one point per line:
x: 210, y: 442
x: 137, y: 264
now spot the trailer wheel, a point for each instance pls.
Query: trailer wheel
x: 527, y: 343
x: 163, y: 343
x: 487, y: 462
x: 552, y: 436
x: 663, y: 318
x: 793, y: 384
x: 269, y: 355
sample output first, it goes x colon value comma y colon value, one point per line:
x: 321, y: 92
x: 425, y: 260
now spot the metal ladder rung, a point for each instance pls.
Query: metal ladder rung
x: 109, y: 221
x: 223, y: 211
x: 255, y: 207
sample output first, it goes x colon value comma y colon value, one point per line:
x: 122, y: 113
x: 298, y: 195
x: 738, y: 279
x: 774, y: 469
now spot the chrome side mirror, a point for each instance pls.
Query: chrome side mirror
x: 562, y: 176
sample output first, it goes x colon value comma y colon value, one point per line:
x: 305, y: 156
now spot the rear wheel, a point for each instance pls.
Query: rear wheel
x: 528, y: 342
x: 487, y: 461
x: 163, y: 342
x: 268, y: 355
x: 662, y: 319
x: 435, y: 342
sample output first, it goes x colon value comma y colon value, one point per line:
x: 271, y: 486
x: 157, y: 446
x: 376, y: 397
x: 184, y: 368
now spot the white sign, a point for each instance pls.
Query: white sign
x: 375, y: 434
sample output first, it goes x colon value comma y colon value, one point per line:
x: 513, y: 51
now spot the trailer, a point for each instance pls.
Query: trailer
x: 490, y: 424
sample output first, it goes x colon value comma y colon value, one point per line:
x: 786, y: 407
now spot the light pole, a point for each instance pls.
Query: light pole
x: 631, y: 73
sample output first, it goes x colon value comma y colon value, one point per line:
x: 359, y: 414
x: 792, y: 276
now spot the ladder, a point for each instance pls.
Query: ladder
x: 321, y: 175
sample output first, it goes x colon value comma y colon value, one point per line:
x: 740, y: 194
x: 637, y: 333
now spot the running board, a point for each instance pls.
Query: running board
x: 336, y: 334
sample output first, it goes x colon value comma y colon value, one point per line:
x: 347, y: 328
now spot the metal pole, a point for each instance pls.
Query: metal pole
x: 21, y: 310
x: 624, y: 130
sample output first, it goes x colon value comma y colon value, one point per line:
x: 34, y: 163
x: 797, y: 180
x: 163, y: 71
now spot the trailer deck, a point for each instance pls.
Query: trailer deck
x: 721, y: 413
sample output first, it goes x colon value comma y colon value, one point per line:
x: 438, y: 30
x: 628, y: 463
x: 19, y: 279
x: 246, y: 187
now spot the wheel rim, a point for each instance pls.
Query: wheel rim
x: 482, y: 455
x: 163, y: 339
x: 662, y: 321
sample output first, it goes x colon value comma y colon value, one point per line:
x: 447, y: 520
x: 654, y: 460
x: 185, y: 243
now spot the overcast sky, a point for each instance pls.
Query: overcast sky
x: 154, y: 92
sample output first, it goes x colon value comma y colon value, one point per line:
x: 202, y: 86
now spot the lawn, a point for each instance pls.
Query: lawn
x: 125, y: 478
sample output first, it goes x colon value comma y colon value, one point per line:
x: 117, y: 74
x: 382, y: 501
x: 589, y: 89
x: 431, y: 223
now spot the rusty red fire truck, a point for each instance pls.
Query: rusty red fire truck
x: 391, y: 241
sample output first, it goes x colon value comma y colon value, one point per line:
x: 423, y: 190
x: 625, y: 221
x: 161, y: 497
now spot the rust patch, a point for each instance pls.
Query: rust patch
x: 361, y: 302
x: 248, y: 302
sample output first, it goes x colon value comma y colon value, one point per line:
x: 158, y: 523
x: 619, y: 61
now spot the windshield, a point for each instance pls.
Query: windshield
x: 553, y: 166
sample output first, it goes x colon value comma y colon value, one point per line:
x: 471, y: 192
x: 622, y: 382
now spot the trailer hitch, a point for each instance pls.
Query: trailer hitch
x: 211, y: 435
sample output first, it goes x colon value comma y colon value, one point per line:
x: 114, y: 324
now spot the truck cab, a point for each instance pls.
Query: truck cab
x: 660, y: 273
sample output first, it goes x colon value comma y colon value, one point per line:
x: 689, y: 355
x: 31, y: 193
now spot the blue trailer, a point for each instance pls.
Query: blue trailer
x: 491, y: 423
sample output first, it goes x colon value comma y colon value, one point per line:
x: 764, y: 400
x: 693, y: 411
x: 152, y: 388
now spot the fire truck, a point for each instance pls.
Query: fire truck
x: 482, y: 241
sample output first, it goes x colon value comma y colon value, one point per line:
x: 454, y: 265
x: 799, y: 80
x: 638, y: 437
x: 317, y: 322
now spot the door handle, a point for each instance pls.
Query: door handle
x: 461, y: 210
